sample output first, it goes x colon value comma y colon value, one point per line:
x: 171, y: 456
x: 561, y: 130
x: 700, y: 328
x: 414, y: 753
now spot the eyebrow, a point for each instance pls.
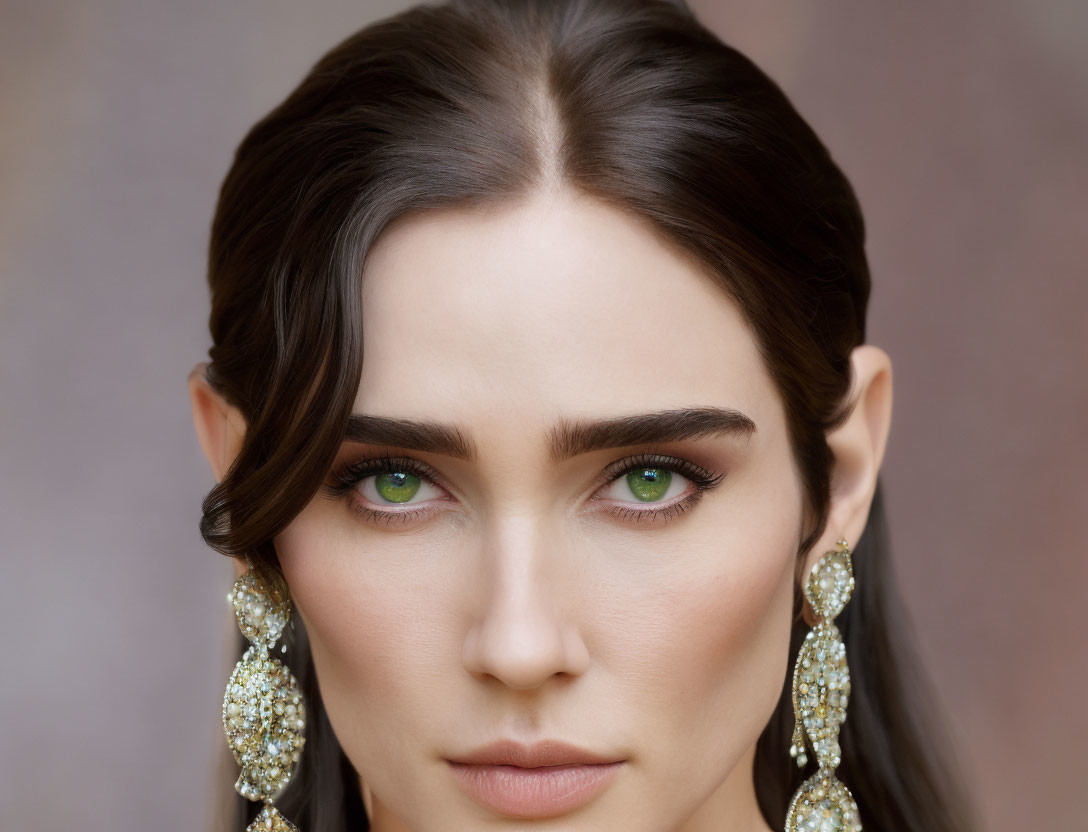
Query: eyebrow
x: 568, y: 438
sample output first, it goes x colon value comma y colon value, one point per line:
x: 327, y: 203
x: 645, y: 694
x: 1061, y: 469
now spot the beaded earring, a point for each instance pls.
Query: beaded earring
x: 821, y: 688
x: 263, y: 711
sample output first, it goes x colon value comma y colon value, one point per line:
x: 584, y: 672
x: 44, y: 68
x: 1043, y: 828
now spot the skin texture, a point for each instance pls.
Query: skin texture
x: 520, y: 607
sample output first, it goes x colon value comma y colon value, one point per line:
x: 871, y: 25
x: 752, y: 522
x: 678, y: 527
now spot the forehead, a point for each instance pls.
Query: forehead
x: 558, y: 306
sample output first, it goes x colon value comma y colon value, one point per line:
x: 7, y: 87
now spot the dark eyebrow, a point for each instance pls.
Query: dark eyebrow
x: 571, y: 438
x: 567, y: 439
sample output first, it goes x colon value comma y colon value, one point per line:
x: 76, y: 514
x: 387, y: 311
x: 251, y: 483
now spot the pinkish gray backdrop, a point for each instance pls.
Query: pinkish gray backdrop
x: 963, y: 126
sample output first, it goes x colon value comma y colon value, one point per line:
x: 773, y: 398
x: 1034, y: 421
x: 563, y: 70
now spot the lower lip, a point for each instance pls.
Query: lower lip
x: 534, y: 792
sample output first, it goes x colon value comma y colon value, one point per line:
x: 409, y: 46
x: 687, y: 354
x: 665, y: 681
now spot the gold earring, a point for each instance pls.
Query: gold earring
x: 263, y: 711
x: 821, y: 688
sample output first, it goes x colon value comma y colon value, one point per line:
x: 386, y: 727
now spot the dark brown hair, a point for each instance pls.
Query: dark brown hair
x: 477, y: 103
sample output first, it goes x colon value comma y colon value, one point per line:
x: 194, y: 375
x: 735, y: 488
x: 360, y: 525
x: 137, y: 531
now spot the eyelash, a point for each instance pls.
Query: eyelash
x: 348, y: 476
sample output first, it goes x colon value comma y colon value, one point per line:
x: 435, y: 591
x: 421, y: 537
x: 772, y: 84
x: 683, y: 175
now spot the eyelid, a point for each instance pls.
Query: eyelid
x: 687, y: 468
x: 348, y: 475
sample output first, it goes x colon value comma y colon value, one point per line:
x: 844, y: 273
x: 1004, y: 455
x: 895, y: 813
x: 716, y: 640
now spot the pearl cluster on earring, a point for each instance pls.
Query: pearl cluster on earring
x: 821, y: 688
x: 264, y: 715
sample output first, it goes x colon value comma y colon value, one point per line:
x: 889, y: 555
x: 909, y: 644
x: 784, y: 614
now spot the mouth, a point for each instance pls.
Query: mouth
x: 538, y: 781
x: 541, y: 792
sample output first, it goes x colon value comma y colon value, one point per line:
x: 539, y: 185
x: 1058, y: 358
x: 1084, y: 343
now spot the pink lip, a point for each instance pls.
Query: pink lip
x: 537, y: 781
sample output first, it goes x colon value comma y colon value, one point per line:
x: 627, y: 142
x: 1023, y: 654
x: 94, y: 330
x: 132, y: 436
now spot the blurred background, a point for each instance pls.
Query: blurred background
x: 963, y: 127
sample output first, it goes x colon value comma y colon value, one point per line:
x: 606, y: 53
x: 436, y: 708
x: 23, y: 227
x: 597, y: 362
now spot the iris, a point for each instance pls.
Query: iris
x: 397, y: 486
x: 649, y: 484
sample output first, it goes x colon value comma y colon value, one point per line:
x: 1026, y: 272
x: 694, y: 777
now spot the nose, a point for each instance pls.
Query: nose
x: 525, y: 628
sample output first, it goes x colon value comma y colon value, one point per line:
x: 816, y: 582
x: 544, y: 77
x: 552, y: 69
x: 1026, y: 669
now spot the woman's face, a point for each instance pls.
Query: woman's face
x: 533, y: 566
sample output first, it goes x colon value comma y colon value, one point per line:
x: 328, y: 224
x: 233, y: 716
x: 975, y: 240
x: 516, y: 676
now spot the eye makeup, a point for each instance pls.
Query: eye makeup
x: 345, y: 479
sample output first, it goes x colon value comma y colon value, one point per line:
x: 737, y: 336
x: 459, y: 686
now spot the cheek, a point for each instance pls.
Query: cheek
x: 713, y: 656
x: 365, y: 642
x: 713, y: 639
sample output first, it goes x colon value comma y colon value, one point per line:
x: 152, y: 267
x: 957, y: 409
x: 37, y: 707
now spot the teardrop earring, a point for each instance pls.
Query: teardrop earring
x: 263, y: 711
x: 821, y: 688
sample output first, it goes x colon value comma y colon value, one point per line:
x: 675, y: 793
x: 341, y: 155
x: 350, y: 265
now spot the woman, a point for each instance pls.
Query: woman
x: 539, y: 389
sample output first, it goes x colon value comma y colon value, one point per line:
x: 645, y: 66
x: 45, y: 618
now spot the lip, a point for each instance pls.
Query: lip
x: 534, y: 781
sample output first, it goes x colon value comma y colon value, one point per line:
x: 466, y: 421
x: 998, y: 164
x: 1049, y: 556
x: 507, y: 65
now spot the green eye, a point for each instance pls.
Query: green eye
x: 649, y: 484
x: 397, y: 486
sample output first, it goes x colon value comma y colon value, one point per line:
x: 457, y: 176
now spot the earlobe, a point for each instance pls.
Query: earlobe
x: 858, y: 447
x: 220, y: 427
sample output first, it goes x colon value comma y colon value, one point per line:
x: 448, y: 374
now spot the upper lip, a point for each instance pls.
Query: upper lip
x: 543, y: 753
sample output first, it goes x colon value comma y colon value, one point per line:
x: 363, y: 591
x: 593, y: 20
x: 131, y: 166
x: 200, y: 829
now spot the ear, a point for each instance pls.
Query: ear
x: 858, y: 447
x: 220, y: 428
